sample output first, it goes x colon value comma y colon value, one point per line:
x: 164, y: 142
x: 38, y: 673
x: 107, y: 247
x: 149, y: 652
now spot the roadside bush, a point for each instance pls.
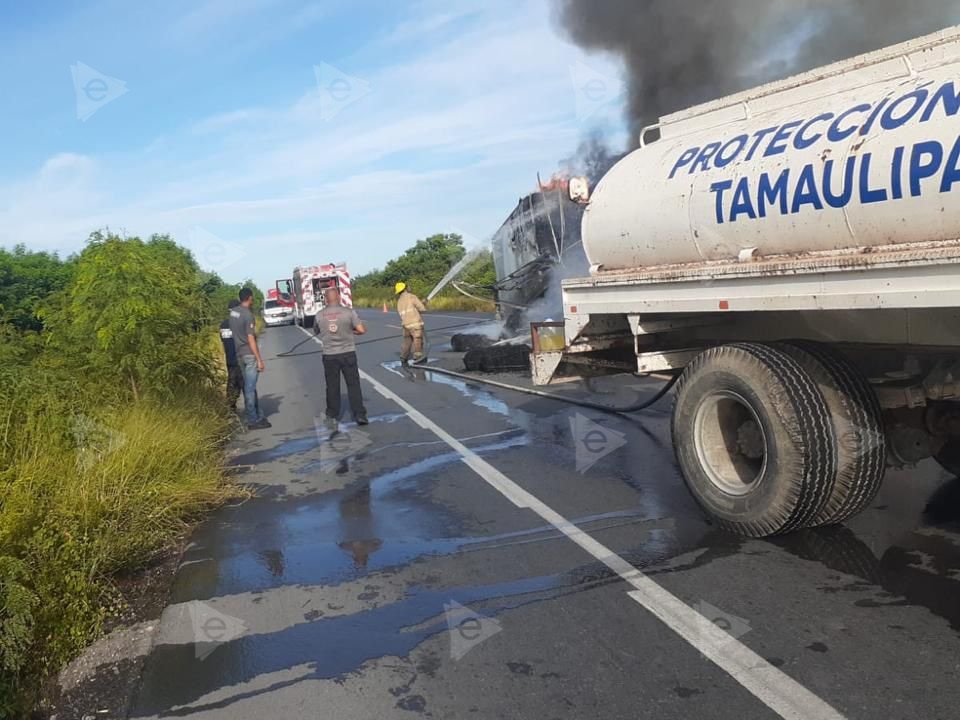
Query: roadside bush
x: 134, y: 311
x: 87, y: 496
x: 112, y: 424
x: 17, y: 627
x: 26, y: 280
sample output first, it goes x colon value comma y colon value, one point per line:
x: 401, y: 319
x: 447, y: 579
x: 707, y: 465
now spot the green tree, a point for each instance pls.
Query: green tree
x: 135, y: 311
x: 258, y: 297
x: 26, y: 279
x: 421, y: 266
x: 80, y: 342
x: 480, y: 271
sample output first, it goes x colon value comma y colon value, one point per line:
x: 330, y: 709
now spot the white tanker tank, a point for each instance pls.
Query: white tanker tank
x: 791, y: 257
x: 861, y: 153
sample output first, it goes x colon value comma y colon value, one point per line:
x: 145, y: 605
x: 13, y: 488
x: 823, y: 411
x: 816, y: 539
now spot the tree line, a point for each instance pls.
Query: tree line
x: 112, y: 426
x: 422, y: 266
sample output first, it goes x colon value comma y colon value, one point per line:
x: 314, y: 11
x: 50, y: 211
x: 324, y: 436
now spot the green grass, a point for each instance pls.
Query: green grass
x: 112, y: 429
x: 89, y: 489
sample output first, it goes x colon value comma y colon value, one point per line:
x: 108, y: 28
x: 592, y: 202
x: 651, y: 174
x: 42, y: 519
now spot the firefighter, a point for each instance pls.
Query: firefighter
x: 410, y: 307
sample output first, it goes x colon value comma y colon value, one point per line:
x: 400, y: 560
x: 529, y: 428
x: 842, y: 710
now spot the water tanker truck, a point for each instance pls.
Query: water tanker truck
x: 790, y: 256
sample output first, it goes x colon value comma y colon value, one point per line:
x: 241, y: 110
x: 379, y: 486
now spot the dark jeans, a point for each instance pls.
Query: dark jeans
x: 333, y: 367
x: 234, y: 384
x: 251, y: 403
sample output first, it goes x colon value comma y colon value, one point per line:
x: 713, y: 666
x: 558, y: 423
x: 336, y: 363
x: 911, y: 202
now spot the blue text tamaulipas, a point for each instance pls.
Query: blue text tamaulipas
x: 928, y: 166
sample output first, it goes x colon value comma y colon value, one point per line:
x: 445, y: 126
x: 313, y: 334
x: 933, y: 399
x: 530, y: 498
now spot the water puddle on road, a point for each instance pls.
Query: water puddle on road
x: 333, y: 647
x: 390, y: 518
x: 382, y: 521
x: 374, y: 525
x: 905, y: 549
x: 476, y: 393
x: 295, y: 446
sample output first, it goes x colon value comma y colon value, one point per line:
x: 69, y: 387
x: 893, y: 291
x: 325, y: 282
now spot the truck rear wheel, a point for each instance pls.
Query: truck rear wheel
x: 949, y: 457
x: 857, y: 426
x: 753, y: 438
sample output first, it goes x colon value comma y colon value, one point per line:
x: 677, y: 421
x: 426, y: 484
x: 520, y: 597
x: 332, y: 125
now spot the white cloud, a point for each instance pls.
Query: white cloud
x: 449, y: 137
x: 429, y: 21
x: 226, y: 121
x: 67, y: 166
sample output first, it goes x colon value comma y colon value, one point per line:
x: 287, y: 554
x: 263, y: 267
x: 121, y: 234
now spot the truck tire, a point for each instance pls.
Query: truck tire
x: 949, y: 457
x: 501, y: 358
x: 463, y: 342
x: 753, y: 439
x: 857, y: 425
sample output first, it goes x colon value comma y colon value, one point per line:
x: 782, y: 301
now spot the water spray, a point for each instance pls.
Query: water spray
x: 454, y: 271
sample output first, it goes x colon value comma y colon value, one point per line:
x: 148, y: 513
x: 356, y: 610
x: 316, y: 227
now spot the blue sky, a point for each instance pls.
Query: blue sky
x: 265, y: 134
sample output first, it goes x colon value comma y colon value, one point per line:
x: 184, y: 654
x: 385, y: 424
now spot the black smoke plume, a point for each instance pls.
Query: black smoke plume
x: 591, y: 159
x: 678, y: 53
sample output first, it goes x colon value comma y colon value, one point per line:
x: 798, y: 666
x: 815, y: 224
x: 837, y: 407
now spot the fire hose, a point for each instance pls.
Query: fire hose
x: 636, y: 407
x: 458, y: 286
x: 291, y: 352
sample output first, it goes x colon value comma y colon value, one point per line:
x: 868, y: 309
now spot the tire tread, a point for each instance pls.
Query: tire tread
x: 812, y: 434
x: 857, y: 483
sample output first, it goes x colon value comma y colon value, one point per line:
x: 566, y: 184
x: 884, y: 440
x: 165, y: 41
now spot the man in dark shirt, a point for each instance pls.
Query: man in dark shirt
x: 234, y: 371
x: 243, y: 328
x: 336, y: 326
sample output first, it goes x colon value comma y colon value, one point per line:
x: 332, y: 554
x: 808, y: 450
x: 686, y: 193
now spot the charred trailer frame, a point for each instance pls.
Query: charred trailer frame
x: 540, y: 236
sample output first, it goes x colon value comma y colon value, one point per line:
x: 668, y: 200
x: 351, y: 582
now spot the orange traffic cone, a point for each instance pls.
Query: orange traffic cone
x: 385, y: 309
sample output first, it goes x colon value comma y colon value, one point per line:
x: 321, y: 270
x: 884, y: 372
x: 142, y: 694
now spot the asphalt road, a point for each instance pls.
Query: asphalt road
x: 478, y: 553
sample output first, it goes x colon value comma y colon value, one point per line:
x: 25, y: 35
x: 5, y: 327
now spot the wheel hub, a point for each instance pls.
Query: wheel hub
x: 750, y: 440
x: 730, y: 443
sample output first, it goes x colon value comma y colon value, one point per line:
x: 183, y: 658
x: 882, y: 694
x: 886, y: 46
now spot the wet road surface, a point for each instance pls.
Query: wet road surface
x: 460, y: 557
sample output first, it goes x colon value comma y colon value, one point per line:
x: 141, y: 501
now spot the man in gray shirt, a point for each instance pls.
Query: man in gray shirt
x: 337, y: 325
x: 243, y: 329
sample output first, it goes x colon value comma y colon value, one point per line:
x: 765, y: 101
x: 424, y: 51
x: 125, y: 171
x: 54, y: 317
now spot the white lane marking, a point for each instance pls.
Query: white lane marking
x: 774, y: 688
x: 395, y: 327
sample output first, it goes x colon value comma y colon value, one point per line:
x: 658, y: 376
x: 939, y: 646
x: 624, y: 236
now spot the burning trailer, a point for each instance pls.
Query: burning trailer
x: 533, y: 250
x: 536, y: 247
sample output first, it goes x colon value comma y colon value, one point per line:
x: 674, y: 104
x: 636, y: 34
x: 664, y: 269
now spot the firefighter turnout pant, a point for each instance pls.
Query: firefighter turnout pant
x: 412, y: 339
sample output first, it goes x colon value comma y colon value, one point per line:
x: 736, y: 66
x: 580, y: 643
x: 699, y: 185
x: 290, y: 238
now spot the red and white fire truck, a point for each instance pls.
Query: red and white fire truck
x: 305, y: 289
x: 281, y: 300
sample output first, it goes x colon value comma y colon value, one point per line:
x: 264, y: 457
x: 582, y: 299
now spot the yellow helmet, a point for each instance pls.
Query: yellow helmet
x: 399, y: 287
